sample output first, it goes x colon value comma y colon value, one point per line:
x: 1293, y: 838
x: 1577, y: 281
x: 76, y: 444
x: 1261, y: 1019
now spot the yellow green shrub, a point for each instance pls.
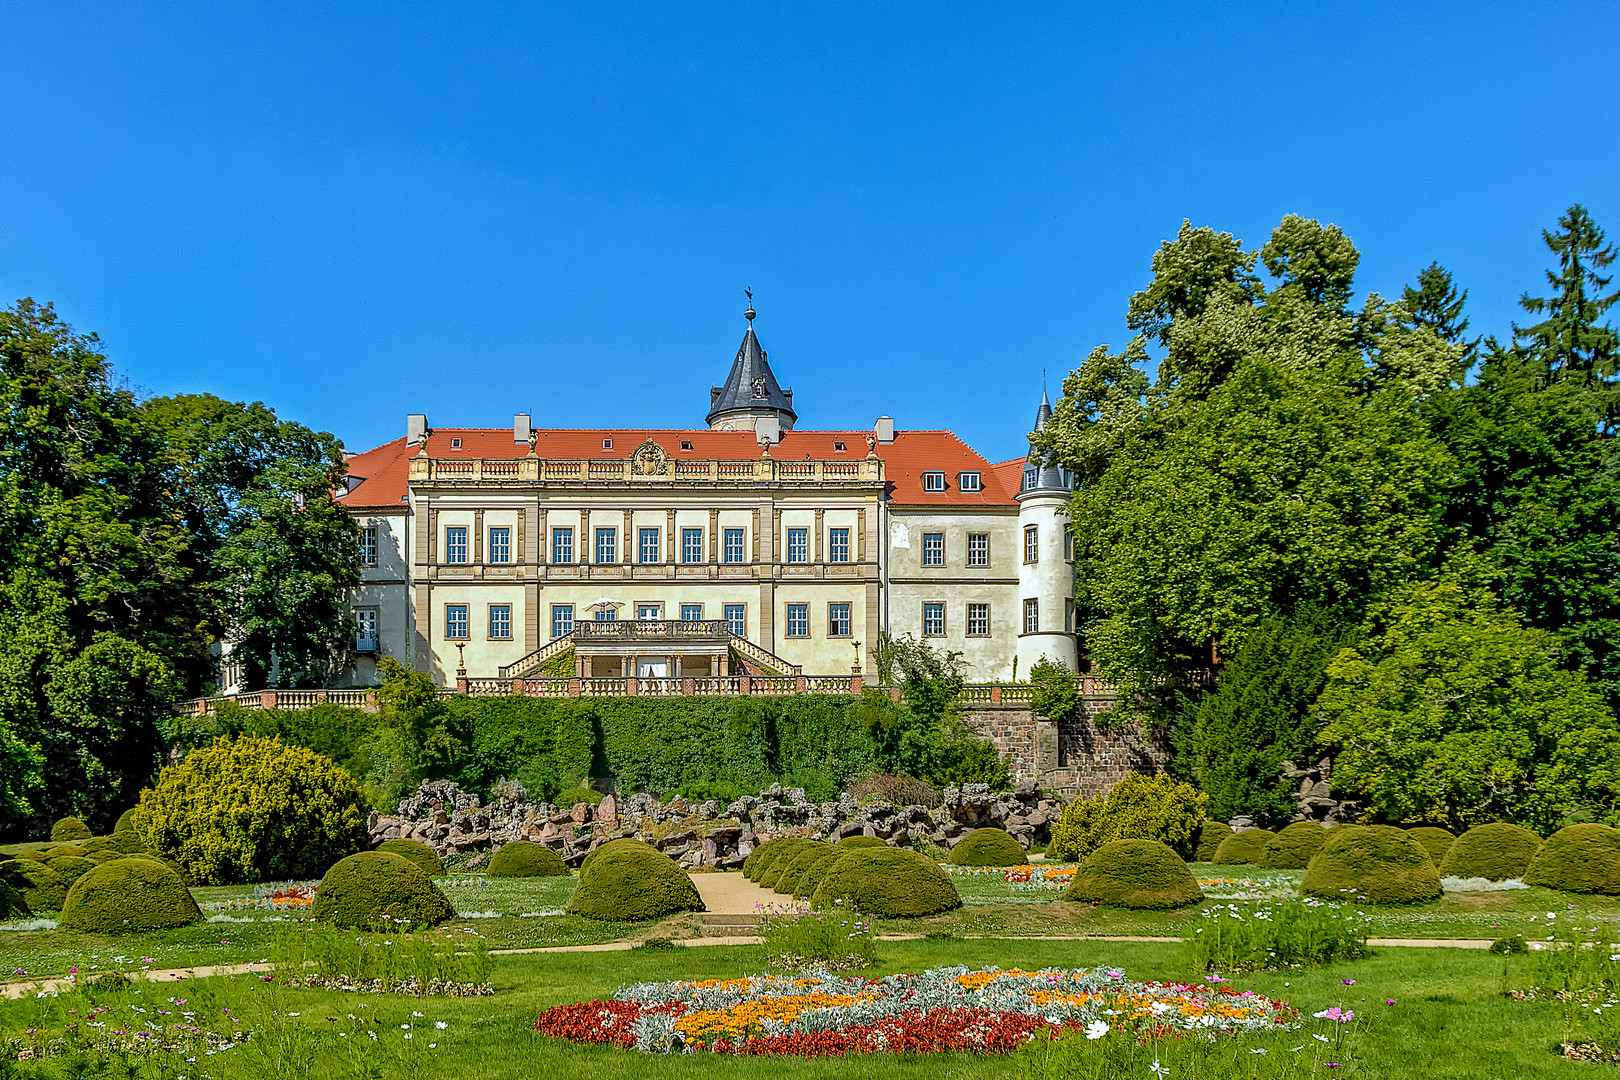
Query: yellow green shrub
x: 1139, y: 807
x: 253, y: 809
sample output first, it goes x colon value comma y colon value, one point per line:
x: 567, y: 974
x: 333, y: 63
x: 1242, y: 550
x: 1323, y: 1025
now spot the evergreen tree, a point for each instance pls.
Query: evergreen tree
x: 1437, y: 305
x: 1571, y: 342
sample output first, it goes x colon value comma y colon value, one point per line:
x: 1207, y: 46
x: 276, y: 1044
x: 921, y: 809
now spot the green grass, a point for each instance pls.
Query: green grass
x: 1449, y: 1019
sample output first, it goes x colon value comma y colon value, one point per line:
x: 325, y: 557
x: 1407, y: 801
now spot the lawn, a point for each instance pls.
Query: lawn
x: 1450, y: 1017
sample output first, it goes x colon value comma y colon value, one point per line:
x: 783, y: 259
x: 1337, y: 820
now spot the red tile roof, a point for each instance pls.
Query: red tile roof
x: 384, y: 471
x: 1011, y: 474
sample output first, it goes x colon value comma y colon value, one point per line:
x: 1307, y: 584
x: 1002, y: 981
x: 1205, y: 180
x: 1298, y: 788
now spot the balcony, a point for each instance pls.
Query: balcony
x: 650, y: 631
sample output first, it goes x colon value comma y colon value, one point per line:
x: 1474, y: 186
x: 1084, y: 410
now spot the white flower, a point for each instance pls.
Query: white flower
x: 1320, y: 1038
x: 1158, y: 1070
x: 440, y: 1024
x: 1096, y: 1029
x: 1259, y: 1050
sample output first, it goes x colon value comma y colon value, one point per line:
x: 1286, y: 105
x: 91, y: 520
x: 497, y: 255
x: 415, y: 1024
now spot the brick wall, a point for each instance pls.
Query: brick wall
x: 1074, y: 760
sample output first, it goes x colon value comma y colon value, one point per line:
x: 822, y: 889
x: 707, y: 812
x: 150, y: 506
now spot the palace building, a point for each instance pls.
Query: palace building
x: 746, y: 546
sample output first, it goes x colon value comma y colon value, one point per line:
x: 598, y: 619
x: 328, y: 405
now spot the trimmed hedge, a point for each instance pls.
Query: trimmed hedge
x: 862, y: 841
x: 102, y: 855
x: 1293, y: 846
x: 1580, y: 859
x: 988, y: 847
x: 70, y: 867
x: 1498, y: 851
x: 12, y: 905
x: 416, y: 851
x: 70, y: 828
x: 41, y: 888
x: 1141, y: 874
x: 1377, y: 863
x: 791, y: 880
x: 887, y: 882
x: 1210, y: 835
x: 780, y: 859
x: 126, y: 822
x: 93, y: 844
x: 254, y: 810
x: 752, y: 863
x: 1246, y: 848
x: 525, y: 858
x: 361, y: 891
x: 576, y: 795
x: 60, y: 850
x: 813, y: 877
x: 629, y: 880
x: 129, y: 896
x: 1435, y: 840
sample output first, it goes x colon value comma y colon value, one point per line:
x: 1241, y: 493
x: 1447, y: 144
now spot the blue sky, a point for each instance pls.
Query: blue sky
x: 353, y: 212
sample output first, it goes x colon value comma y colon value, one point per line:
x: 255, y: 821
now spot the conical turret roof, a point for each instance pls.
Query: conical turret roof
x: 751, y: 386
x: 1048, y: 477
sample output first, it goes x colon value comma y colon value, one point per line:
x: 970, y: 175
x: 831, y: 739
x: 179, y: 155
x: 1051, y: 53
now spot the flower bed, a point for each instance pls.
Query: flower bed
x: 274, y: 896
x: 945, y: 1009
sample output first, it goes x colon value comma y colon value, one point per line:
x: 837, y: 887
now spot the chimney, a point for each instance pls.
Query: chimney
x: 885, y: 429
x: 415, y: 428
x: 520, y: 428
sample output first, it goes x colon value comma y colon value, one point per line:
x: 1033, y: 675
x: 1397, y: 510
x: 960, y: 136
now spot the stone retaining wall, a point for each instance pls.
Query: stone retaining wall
x: 1075, y: 760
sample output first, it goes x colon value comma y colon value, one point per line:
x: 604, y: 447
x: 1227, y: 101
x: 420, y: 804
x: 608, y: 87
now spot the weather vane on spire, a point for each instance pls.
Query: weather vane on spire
x: 749, y: 314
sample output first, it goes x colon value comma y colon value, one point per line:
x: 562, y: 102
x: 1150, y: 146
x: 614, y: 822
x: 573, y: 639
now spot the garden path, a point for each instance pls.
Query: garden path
x: 730, y: 893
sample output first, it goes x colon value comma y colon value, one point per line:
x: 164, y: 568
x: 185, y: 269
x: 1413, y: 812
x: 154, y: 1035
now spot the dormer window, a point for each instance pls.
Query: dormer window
x: 1029, y: 479
x: 933, y: 481
x: 839, y: 446
x: 607, y: 444
x: 686, y: 444
x: 968, y: 481
x: 455, y: 444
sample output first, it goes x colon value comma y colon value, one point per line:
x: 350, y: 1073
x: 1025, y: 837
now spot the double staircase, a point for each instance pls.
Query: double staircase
x: 646, y: 632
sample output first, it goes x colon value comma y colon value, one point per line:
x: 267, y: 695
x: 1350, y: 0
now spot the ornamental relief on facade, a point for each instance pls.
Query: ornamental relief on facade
x: 649, y: 459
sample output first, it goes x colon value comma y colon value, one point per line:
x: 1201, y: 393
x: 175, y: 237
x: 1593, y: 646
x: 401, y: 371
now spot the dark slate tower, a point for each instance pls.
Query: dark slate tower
x: 751, y: 399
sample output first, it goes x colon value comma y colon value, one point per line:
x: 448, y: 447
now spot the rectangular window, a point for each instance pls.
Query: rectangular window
x: 691, y: 545
x: 648, y: 545
x: 978, y: 620
x: 500, y: 545
x: 798, y: 545
x: 562, y: 620
x: 978, y: 549
x: 734, y: 545
x: 368, y: 546
x: 365, y: 630
x: 691, y: 613
x: 455, y: 621
x: 1032, y: 544
x: 607, y: 546
x: 1029, y: 479
x: 798, y: 620
x: 934, y: 618
x: 969, y: 481
x: 455, y: 544
x: 1068, y: 616
x: 737, y: 618
x: 933, y: 549
x: 838, y: 620
x: 500, y: 622
x: 1032, y: 616
x: 838, y: 545
x: 562, y: 546
x: 606, y: 615
x: 933, y: 481
x: 649, y: 612
x: 1068, y: 546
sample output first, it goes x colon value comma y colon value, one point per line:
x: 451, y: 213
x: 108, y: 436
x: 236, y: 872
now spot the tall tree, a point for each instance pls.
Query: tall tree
x: 1571, y: 341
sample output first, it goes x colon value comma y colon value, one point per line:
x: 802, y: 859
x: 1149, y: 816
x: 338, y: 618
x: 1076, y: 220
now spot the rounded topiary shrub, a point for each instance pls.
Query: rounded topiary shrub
x: 1208, y: 841
x: 126, y: 836
x: 1436, y: 841
x: 1293, y: 846
x: 791, y: 881
x: 525, y: 858
x: 627, y: 879
x: 12, y: 905
x: 70, y: 867
x: 1246, y: 848
x: 370, y: 888
x: 104, y: 855
x: 1378, y: 863
x: 70, y: 828
x: 1134, y: 874
x: 576, y: 795
x: 888, y: 882
x: 988, y: 847
x: 1579, y: 858
x: 759, y: 858
x: 812, y: 878
x: 1498, y: 852
x: 94, y: 844
x: 254, y: 809
x: 126, y: 822
x: 773, y: 862
x: 780, y: 859
x: 60, y: 850
x: 129, y: 896
x: 862, y: 841
x: 416, y: 851
x: 41, y: 888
